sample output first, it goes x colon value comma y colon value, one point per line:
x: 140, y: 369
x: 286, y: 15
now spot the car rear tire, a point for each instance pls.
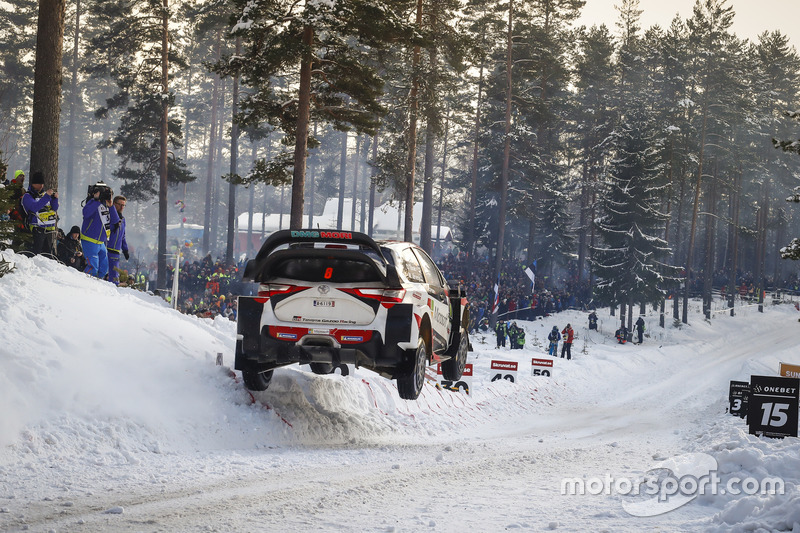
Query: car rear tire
x: 322, y: 368
x: 409, y: 385
x: 453, y: 368
x: 255, y: 380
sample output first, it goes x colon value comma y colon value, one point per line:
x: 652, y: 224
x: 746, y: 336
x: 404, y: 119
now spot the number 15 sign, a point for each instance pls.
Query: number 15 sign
x: 773, y: 406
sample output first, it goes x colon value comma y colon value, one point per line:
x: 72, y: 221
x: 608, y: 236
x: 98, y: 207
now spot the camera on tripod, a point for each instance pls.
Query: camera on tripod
x: 105, y: 191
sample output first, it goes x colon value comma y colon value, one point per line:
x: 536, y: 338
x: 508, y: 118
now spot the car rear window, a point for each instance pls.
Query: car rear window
x: 325, y: 269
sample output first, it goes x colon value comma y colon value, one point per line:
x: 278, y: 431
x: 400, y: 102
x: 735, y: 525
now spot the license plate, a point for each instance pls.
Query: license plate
x: 324, y: 303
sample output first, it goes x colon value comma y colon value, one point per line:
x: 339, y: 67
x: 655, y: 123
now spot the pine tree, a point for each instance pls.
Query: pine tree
x: 792, y: 250
x: 331, y: 47
x: 629, y: 263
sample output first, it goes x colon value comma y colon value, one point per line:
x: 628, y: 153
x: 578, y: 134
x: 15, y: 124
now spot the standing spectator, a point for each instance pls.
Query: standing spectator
x: 96, y: 228
x: 116, y: 241
x: 553, y: 337
x: 500, y: 330
x: 593, y: 321
x: 640, y: 329
x: 569, y: 336
x: 41, y: 207
x: 70, y: 251
x: 513, y: 333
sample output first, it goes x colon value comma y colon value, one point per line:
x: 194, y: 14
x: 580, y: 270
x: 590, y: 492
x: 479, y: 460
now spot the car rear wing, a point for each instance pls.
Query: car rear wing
x: 255, y: 266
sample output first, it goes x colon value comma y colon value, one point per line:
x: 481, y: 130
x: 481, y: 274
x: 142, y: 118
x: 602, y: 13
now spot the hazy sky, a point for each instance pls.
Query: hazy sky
x: 752, y: 16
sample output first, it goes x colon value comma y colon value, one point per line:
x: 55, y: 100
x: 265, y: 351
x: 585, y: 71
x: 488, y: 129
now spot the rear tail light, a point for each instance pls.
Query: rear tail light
x: 387, y: 297
x: 268, y: 290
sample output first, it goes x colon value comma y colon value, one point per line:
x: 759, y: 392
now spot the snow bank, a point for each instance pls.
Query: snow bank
x: 95, y: 380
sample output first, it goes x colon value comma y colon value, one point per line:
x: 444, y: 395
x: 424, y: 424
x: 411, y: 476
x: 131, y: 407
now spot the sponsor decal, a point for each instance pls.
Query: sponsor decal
x: 325, y: 320
x: 352, y: 338
x: 318, y: 331
x: 542, y: 362
x: 290, y: 336
x: 504, y: 365
x: 335, y: 235
x: 298, y: 234
x: 297, y: 318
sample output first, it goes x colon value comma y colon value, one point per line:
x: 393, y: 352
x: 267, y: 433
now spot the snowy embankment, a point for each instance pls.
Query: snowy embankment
x: 111, y: 401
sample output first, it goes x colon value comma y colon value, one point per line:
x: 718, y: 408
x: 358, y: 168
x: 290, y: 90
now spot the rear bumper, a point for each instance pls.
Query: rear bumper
x: 257, y: 348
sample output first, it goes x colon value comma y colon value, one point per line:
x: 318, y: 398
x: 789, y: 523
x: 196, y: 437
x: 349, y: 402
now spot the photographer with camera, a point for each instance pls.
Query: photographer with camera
x: 98, y: 217
x: 41, y: 218
x: 70, y: 251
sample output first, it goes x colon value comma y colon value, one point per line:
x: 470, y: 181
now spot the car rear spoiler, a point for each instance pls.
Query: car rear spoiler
x: 282, y: 237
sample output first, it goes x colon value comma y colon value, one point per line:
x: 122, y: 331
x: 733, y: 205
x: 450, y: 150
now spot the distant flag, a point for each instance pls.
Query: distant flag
x: 530, y: 271
x: 496, y: 305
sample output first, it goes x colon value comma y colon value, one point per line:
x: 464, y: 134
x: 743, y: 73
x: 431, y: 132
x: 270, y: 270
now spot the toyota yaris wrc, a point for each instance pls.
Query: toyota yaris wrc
x: 330, y: 297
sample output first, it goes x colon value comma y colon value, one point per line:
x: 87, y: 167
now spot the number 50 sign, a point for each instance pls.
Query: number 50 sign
x: 773, y: 406
x: 542, y: 367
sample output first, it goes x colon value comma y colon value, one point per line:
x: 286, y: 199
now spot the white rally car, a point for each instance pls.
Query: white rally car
x: 330, y: 297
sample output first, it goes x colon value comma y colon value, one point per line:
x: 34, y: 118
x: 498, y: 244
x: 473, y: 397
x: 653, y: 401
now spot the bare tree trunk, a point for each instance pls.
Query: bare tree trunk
x: 372, y: 188
x: 761, y: 237
x: 162, y: 189
x: 427, y: 193
x: 501, y: 226
x: 301, y: 142
x: 232, y: 233
x: 473, y: 190
x: 708, y: 274
x: 356, y: 168
x: 582, y: 221
x: 47, y: 91
x: 441, y: 187
x: 734, y: 239
x: 690, y: 250
x: 216, y: 203
x: 312, y: 185
x: 212, y: 139
x: 408, y: 231
x: 73, y: 105
x: 342, y: 178
x: 363, y: 222
x: 251, y: 206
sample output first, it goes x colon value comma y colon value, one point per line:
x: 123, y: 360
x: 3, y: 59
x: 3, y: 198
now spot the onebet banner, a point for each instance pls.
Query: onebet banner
x: 504, y: 370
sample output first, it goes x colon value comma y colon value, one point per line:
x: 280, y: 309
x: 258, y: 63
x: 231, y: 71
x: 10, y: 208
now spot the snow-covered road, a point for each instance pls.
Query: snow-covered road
x: 135, y: 429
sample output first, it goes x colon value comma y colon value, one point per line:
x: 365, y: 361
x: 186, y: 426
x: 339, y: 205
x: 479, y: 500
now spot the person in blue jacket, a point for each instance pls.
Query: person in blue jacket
x: 98, y: 217
x: 41, y: 218
x: 116, y: 243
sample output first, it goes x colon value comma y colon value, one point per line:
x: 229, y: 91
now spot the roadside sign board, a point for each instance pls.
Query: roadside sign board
x: 504, y: 370
x: 542, y: 367
x: 790, y: 371
x: 739, y: 398
x: 773, y: 406
x: 465, y: 383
